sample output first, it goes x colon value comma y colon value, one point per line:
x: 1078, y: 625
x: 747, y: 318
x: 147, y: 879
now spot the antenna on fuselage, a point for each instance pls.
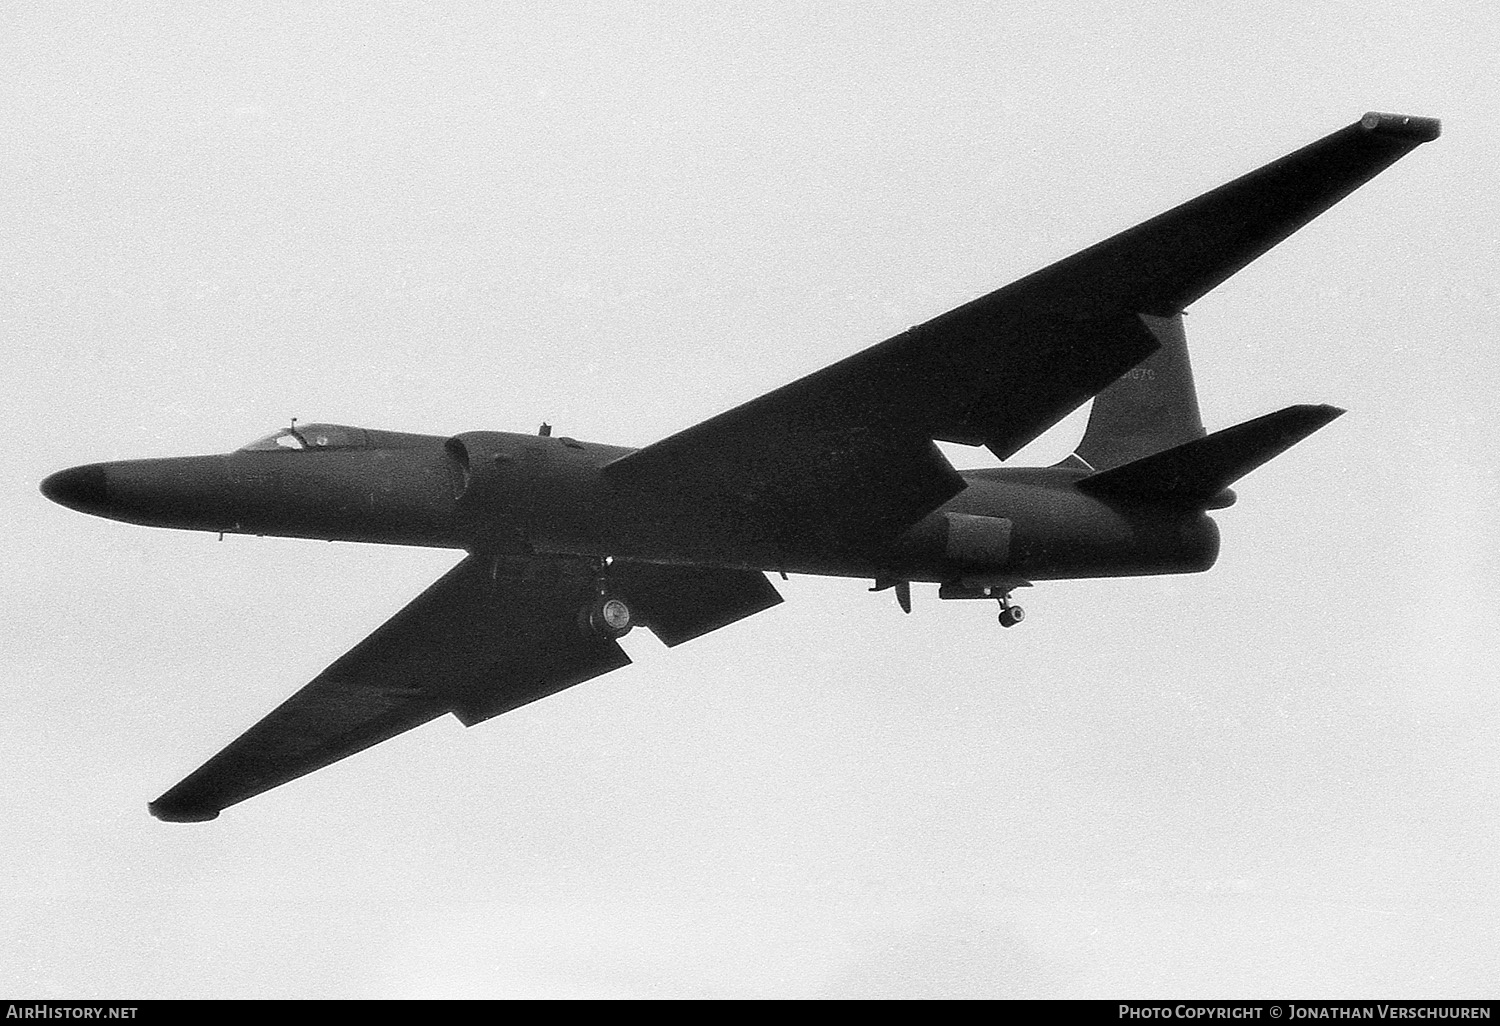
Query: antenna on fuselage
x: 545, y: 430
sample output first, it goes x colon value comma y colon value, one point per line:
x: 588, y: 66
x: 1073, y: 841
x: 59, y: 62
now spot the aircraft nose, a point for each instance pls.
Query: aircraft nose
x: 81, y: 488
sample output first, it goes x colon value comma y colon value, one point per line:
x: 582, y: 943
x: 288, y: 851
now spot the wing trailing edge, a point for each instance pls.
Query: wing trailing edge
x: 477, y: 643
x: 847, y: 449
x: 680, y: 603
x: 474, y: 644
x: 1162, y: 265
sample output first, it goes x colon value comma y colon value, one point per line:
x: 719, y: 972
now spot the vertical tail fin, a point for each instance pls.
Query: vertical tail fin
x: 1154, y: 406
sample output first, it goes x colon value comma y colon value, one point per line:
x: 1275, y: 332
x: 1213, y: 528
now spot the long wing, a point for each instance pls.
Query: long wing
x: 473, y: 644
x: 487, y: 638
x: 849, y: 449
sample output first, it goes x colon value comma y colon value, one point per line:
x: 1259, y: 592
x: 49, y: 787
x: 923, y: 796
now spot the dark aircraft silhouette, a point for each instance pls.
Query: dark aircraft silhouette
x: 570, y: 544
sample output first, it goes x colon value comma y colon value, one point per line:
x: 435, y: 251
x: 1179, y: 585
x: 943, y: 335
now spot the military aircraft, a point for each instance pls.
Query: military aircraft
x: 570, y: 544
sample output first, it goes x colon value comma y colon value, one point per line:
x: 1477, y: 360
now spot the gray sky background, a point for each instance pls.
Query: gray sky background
x: 1275, y: 779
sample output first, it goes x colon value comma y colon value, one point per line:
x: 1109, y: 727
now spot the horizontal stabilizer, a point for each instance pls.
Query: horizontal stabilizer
x: 1191, y: 475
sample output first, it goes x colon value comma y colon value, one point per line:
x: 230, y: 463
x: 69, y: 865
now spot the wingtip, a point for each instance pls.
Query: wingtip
x: 1402, y: 126
x: 1320, y: 414
x: 169, y: 813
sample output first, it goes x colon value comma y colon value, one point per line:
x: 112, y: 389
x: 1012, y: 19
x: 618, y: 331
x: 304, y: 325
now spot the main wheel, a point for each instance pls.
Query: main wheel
x: 1011, y: 615
x: 609, y: 616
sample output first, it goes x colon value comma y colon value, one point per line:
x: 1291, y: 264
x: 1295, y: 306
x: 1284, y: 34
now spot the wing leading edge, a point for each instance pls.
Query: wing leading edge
x: 849, y: 448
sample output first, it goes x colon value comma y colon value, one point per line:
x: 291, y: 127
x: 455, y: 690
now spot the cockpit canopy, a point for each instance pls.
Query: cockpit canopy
x: 312, y: 436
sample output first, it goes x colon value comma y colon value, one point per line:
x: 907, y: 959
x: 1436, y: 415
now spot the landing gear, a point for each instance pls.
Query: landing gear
x: 607, y: 615
x: 991, y: 586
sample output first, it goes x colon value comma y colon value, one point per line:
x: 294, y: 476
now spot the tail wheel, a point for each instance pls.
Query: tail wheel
x: 609, y: 616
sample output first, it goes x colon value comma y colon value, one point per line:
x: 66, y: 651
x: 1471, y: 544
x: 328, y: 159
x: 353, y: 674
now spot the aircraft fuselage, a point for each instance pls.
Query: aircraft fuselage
x: 518, y: 494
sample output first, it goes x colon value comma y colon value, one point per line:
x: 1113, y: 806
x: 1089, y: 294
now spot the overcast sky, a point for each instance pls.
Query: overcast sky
x: 1275, y: 779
